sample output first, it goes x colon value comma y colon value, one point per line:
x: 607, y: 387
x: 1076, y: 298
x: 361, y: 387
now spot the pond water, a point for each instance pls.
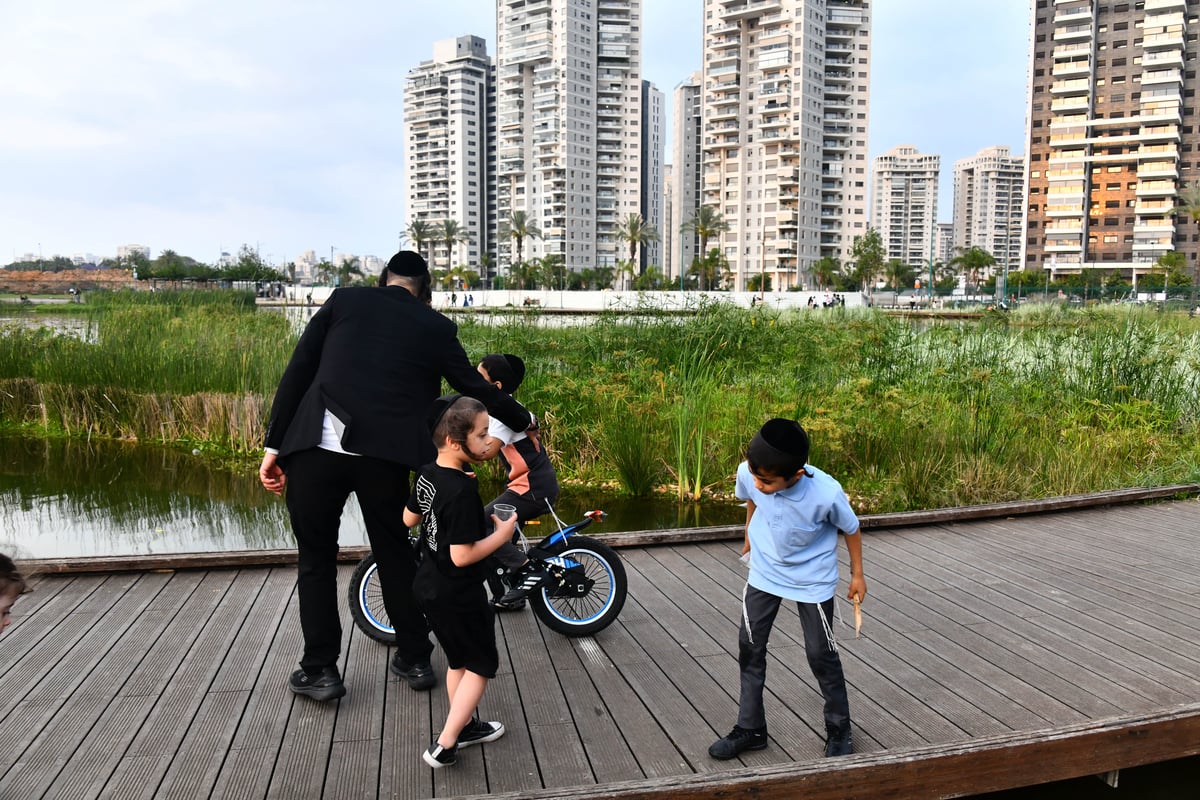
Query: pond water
x: 68, y: 499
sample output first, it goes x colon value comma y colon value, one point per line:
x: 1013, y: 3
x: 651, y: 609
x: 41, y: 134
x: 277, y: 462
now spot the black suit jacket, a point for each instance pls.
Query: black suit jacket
x: 375, y: 357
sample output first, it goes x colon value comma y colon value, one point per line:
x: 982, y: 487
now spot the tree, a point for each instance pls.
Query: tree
x: 705, y: 223
x: 636, y: 231
x: 898, y: 275
x: 708, y: 269
x: 451, y: 233
x: 518, y: 227
x: 552, y: 272
x: 825, y: 272
x: 651, y: 279
x: 867, y: 252
x: 347, y: 271
x: 1189, y: 203
x: 972, y: 261
x: 759, y: 283
x: 419, y: 232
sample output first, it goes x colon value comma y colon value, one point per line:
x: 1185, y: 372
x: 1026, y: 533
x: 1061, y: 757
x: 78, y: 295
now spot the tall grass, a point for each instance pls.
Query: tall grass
x: 907, y: 416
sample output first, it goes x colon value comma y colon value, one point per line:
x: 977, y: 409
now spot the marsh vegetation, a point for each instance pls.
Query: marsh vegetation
x: 1045, y: 401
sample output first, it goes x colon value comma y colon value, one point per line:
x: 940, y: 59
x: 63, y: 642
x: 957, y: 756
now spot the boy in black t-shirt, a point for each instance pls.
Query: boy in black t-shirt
x: 449, y: 581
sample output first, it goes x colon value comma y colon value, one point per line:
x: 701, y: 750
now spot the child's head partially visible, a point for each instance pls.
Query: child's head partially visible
x: 505, y: 369
x: 12, y: 586
x: 777, y: 455
x: 459, y: 425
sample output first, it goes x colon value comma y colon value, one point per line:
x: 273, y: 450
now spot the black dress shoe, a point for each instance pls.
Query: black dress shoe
x: 325, y: 685
x: 839, y: 744
x: 419, y: 674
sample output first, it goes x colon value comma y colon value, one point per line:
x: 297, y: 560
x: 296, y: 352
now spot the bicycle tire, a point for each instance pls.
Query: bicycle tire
x: 366, y: 602
x: 599, y: 608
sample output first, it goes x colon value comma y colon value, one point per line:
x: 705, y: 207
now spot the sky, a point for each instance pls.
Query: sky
x: 203, y: 125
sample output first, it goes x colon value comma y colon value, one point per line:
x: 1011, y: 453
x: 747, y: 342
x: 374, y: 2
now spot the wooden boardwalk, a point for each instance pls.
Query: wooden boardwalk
x: 994, y: 654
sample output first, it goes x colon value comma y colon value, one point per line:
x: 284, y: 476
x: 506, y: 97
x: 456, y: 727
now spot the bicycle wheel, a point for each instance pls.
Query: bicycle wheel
x: 366, y: 602
x: 598, y: 572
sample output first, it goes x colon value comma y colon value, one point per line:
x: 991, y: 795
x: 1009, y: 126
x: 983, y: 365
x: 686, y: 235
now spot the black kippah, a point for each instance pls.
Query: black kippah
x: 782, y: 438
x: 439, y: 409
x: 408, y: 263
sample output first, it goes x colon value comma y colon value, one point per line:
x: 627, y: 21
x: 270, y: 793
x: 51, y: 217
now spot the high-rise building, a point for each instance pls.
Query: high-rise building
x: 445, y: 154
x: 944, y: 249
x: 1110, y: 136
x: 904, y: 190
x: 653, y: 147
x: 989, y: 200
x: 686, y: 171
x: 785, y: 132
x: 667, y: 234
x: 568, y: 125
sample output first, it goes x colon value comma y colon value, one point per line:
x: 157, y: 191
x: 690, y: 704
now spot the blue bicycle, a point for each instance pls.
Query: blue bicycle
x: 584, y: 592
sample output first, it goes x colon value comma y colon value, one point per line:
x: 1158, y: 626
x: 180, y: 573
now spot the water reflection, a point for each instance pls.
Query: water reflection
x: 68, y: 499
x: 64, y: 499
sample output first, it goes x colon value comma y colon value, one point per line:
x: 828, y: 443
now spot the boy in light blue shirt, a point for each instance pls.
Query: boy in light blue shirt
x: 794, y: 514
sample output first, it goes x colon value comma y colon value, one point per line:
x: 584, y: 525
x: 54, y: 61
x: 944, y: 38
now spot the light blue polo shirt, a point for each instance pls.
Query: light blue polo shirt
x: 793, y: 535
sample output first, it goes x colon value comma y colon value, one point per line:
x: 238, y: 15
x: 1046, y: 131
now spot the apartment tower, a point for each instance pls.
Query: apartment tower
x: 1110, y: 137
x: 650, y: 254
x: 686, y: 171
x: 568, y: 126
x: 989, y: 199
x: 445, y: 154
x: 785, y: 133
x: 904, y: 190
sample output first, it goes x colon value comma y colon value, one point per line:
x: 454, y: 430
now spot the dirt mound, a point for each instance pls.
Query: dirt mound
x: 36, y: 282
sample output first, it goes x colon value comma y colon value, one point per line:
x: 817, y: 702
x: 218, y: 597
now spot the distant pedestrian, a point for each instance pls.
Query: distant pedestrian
x: 794, y: 515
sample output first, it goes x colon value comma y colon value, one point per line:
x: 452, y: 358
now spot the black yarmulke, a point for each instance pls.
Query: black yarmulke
x: 784, y: 437
x: 438, y: 409
x: 408, y: 263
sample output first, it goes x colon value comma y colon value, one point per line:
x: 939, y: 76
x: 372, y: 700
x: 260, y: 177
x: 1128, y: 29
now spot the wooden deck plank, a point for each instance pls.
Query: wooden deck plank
x: 67, y: 743
x: 1007, y: 586
x: 1066, y: 641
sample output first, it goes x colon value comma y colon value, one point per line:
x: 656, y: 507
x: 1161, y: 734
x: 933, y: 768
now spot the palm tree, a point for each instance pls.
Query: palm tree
x: 347, y: 270
x: 898, y: 274
x: 826, y: 271
x: 450, y: 233
x: 519, y: 228
x: 706, y: 223
x: 419, y: 232
x: 973, y: 260
x: 1189, y: 203
x: 635, y: 230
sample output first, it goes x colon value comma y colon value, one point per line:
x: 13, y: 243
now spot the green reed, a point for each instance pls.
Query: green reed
x: 905, y: 415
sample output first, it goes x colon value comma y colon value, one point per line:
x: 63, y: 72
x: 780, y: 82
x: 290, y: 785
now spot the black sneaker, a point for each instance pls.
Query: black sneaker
x: 528, y: 577
x: 437, y: 756
x: 419, y: 675
x: 839, y: 744
x: 478, y: 732
x: 501, y: 604
x: 738, y: 741
x: 325, y: 685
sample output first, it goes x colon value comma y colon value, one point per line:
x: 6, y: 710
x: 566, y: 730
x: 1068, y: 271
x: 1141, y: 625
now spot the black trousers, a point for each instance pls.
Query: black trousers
x: 759, y: 609
x: 318, y: 484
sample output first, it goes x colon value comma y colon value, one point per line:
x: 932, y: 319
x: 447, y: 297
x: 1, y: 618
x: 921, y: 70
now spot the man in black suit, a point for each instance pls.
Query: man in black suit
x: 349, y: 416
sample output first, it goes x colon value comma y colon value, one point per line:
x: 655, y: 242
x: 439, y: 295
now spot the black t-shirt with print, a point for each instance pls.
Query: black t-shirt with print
x: 451, y: 513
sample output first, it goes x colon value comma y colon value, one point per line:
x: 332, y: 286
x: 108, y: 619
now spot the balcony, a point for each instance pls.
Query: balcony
x: 1073, y: 33
x: 1162, y: 41
x: 1082, y: 66
x: 732, y: 10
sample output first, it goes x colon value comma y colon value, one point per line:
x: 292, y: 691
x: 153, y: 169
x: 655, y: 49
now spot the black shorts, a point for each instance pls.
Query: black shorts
x: 462, y: 620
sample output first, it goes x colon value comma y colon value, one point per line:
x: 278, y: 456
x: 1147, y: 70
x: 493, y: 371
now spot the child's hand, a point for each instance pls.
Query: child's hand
x: 508, y: 526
